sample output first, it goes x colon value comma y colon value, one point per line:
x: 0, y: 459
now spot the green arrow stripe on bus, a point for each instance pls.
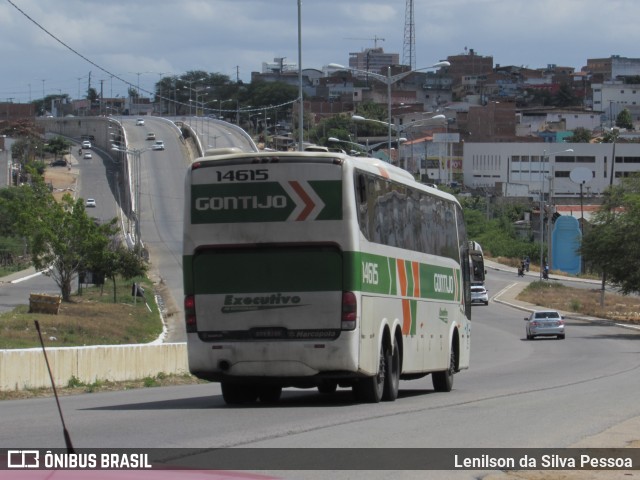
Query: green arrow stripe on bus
x: 259, y: 202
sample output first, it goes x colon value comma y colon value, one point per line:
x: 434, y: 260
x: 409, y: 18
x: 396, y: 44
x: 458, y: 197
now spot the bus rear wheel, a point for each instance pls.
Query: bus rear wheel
x: 269, y: 394
x: 328, y: 386
x: 371, y: 389
x: 236, y: 393
x: 392, y: 374
x: 443, y: 381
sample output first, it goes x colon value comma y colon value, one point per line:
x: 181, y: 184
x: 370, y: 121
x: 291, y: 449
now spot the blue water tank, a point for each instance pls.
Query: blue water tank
x: 565, y: 242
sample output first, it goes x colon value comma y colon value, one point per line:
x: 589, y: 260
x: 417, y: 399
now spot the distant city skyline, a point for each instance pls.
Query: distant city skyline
x: 54, y: 46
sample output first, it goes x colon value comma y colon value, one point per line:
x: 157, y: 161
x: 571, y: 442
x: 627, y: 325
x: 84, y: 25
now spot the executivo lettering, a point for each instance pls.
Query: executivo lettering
x: 236, y: 303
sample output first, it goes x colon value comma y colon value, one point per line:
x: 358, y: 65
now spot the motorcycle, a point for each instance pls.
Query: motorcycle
x: 520, y: 272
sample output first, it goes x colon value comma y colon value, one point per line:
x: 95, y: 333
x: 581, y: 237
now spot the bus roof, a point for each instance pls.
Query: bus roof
x: 375, y: 165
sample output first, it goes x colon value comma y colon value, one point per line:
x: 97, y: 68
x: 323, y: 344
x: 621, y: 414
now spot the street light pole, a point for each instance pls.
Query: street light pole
x: 362, y: 148
x: 300, y: 98
x: 545, y: 159
x: 389, y: 80
x: 134, y: 189
x: 390, y: 117
x: 436, y: 120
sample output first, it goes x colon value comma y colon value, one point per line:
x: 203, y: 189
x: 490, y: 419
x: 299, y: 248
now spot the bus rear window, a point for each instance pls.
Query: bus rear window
x: 266, y: 269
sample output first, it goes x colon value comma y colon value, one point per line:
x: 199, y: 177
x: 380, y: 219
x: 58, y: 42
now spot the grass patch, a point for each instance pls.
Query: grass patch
x: 550, y: 294
x: 76, y: 387
x: 91, y: 318
x: 13, y: 268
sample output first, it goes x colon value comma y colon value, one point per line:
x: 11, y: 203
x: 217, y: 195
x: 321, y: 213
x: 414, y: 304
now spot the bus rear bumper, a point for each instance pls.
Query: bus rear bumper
x: 276, y: 360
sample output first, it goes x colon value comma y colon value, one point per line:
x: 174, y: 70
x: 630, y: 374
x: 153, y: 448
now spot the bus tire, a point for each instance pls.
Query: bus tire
x: 269, y: 394
x: 328, y: 386
x: 371, y: 389
x: 392, y: 374
x: 443, y: 381
x: 236, y: 393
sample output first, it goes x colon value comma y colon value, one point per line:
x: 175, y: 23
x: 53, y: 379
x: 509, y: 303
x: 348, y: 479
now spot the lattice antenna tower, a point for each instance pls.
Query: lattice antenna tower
x: 409, y: 47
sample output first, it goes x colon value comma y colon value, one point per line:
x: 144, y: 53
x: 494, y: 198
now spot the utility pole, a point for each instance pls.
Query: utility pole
x: 101, y: 95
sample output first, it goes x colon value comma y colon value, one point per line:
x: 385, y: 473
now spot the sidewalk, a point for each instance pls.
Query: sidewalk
x: 19, y: 276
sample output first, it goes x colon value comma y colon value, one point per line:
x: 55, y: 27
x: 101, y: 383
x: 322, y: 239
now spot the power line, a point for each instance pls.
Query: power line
x: 65, y: 45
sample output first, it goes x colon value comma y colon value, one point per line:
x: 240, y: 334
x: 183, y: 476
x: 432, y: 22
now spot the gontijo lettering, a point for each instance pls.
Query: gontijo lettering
x: 443, y: 283
x: 240, y: 203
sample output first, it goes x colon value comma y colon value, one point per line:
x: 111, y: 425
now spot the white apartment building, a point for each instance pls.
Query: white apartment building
x: 624, y: 66
x: 612, y: 97
x: 547, y: 166
x: 528, y: 123
x: 279, y: 65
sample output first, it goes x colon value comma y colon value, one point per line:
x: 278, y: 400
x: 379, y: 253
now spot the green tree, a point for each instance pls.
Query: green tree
x: 276, y: 97
x: 610, y: 245
x: 610, y: 136
x: 61, y: 235
x: 92, y: 94
x: 566, y: 97
x: 25, y: 150
x: 117, y: 260
x: 132, y: 93
x: 536, y: 96
x: 12, y: 245
x: 497, y: 235
x: 372, y: 111
x: 624, y: 120
x: 580, y: 135
x: 58, y: 146
x: 339, y: 126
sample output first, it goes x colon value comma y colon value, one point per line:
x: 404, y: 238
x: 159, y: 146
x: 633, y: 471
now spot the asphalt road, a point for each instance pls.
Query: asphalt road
x: 517, y: 393
x: 162, y: 200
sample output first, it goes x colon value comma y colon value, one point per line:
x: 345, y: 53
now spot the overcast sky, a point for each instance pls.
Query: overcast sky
x: 139, y: 41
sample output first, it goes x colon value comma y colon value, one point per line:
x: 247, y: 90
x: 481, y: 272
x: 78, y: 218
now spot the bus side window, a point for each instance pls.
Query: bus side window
x: 362, y: 188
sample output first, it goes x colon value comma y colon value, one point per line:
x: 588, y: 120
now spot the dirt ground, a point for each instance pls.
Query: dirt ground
x: 63, y: 179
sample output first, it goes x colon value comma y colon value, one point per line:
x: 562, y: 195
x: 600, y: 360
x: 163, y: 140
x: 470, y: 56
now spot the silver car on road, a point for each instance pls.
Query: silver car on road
x: 545, y: 323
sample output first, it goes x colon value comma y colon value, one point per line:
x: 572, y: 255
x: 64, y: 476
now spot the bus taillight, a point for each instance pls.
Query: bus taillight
x: 190, y: 313
x: 349, y: 311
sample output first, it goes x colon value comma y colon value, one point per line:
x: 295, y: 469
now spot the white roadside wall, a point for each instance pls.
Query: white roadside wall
x: 26, y: 368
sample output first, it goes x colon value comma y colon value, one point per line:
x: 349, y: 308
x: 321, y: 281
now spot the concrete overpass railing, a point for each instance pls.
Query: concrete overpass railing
x: 23, y: 369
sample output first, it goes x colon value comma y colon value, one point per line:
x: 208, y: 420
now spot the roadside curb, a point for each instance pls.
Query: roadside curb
x: 20, y: 276
x: 511, y: 292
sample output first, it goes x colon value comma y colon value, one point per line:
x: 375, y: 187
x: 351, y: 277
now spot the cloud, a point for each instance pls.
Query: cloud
x: 236, y: 36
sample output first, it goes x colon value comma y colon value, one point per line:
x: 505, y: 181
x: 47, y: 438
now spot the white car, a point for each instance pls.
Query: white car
x: 545, y: 323
x: 140, y: 121
x: 479, y: 294
x: 159, y: 145
x: 86, y: 144
x: 87, y: 155
x: 90, y: 203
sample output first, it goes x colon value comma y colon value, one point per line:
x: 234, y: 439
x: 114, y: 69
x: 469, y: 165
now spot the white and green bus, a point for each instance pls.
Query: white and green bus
x: 319, y: 270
